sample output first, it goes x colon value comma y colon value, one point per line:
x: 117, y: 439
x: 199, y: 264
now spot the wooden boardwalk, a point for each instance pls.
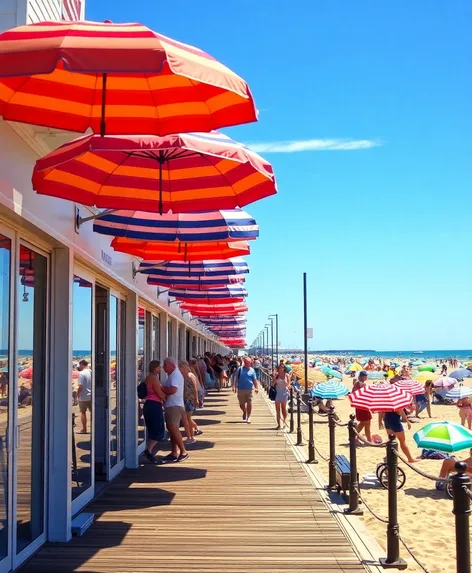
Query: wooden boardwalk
x: 240, y: 503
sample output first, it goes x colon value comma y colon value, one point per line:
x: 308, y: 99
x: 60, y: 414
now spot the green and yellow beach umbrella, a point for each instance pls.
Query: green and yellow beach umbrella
x: 425, y: 375
x: 444, y: 437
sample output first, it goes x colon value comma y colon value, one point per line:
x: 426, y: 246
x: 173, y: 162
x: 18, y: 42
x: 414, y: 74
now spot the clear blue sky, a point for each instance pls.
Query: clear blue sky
x: 383, y: 231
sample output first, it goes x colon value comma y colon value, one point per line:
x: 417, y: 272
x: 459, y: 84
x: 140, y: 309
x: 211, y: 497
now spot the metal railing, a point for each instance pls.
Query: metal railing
x: 460, y: 483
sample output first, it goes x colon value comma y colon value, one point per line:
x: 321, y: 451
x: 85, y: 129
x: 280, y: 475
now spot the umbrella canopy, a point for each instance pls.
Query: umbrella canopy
x: 197, y: 309
x: 411, y: 386
x: 184, y: 173
x: 354, y: 367
x: 375, y: 375
x: 460, y: 374
x: 425, y: 376
x: 115, y: 79
x: 444, y: 382
x: 201, y: 283
x: 330, y: 390
x: 195, y: 269
x: 427, y: 367
x: 444, y: 436
x: 459, y: 392
x: 228, y: 294
x: 230, y: 225
x: 224, y: 319
x: 380, y: 397
x: 151, y: 250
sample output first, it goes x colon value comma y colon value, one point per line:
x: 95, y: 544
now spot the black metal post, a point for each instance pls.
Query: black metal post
x: 311, y: 438
x: 299, y: 420
x: 460, y: 484
x: 272, y: 344
x: 292, y: 421
x: 393, y: 559
x: 354, y: 482
x: 305, y: 329
x: 332, y: 449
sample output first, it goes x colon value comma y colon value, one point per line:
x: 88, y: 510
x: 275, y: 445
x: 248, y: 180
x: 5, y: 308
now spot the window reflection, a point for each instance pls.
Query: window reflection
x: 5, y: 266
x: 82, y: 392
x: 32, y: 321
x: 114, y: 381
x: 141, y: 368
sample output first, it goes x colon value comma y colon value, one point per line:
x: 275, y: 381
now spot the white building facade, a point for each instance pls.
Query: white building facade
x: 66, y: 296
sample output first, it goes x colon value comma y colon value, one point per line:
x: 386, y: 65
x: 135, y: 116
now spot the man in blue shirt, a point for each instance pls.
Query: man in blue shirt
x: 246, y: 382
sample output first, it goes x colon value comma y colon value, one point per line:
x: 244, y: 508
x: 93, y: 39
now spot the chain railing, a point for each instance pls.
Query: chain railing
x: 459, y: 484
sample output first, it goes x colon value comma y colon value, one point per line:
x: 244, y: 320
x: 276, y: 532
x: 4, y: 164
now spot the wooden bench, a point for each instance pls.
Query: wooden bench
x: 343, y: 475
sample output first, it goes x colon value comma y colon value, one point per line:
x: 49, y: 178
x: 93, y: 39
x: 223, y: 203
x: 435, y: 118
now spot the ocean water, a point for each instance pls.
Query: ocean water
x: 404, y: 354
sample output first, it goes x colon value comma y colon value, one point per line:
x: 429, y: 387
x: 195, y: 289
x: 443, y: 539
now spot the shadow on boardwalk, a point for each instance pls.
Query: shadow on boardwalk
x: 240, y: 503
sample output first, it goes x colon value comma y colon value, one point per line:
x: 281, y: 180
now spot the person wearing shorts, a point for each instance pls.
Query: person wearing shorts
x: 363, y: 417
x: 174, y: 410
x: 246, y: 382
x: 84, y: 393
x: 393, y: 425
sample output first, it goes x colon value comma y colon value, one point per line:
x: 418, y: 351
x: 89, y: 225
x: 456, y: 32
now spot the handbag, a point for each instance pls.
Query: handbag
x: 272, y: 393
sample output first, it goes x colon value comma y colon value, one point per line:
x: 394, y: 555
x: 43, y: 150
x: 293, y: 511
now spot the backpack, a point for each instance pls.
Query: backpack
x: 142, y: 390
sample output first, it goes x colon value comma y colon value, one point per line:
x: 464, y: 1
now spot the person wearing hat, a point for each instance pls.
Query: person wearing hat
x: 363, y: 417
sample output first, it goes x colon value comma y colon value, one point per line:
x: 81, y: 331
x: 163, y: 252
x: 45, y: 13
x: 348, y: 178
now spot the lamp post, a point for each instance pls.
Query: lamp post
x: 266, y: 328
x: 276, y: 316
x: 305, y: 330
x: 271, y: 341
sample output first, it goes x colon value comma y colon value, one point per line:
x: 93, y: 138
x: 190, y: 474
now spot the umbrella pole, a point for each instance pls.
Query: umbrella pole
x: 161, y: 161
x: 103, y: 124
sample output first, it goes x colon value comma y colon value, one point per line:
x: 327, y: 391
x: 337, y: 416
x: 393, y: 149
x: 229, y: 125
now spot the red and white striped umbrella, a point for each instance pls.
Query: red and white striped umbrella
x: 380, y: 397
x: 411, y: 386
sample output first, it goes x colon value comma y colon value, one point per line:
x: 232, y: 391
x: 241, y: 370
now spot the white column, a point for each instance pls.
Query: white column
x: 130, y: 379
x: 175, y: 341
x: 60, y: 400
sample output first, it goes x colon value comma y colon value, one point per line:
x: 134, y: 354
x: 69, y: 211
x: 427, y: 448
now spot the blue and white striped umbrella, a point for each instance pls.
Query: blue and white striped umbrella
x: 232, y: 224
x: 229, y: 291
x: 223, y: 320
x: 195, y: 269
x: 197, y: 283
x: 459, y: 392
x: 330, y: 390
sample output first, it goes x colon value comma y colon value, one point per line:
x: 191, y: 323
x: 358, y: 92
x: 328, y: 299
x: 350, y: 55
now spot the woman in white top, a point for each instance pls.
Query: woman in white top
x: 281, y: 384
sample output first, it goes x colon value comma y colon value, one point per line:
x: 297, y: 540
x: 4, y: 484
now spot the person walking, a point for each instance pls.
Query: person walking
x: 246, y: 382
x: 84, y: 393
x: 281, y: 385
x: 173, y: 388
x: 363, y: 417
x: 190, y: 400
x: 152, y: 411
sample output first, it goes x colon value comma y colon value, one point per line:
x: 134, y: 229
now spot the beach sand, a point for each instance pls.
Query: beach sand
x: 425, y: 514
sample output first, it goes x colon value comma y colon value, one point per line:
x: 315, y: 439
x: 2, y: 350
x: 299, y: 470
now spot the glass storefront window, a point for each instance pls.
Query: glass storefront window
x: 115, y: 380
x: 141, y: 369
x: 5, y: 272
x: 82, y: 404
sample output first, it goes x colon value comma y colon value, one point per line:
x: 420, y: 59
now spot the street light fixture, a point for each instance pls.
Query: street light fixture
x: 276, y: 316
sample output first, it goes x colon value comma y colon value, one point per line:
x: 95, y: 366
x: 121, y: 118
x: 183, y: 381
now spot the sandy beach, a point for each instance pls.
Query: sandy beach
x: 425, y: 514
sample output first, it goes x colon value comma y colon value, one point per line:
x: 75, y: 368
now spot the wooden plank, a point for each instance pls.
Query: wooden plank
x: 241, y: 502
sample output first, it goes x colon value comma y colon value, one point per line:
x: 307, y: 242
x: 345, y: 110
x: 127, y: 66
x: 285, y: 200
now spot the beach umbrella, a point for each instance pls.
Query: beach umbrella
x: 197, y: 283
x: 329, y: 390
x: 184, y: 173
x: 411, y: 386
x: 417, y: 363
x: 229, y: 225
x: 27, y: 373
x: 444, y: 437
x: 330, y: 372
x: 115, y: 79
x: 355, y: 367
x: 460, y: 374
x: 224, y: 320
x: 152, y: 250
x: 375, y: 375
x: 195, y: 269
x: 444, y: 382
x: 197, y: 309
x: 228, y: 294
x: 459, y: 392
x: 425, y: 376
x: 427, y: 367
x: 381, y: 397
x: 335, y: 367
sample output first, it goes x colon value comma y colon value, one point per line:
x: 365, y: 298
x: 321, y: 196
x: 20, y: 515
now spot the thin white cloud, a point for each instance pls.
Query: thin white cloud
x: 313, y: 145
